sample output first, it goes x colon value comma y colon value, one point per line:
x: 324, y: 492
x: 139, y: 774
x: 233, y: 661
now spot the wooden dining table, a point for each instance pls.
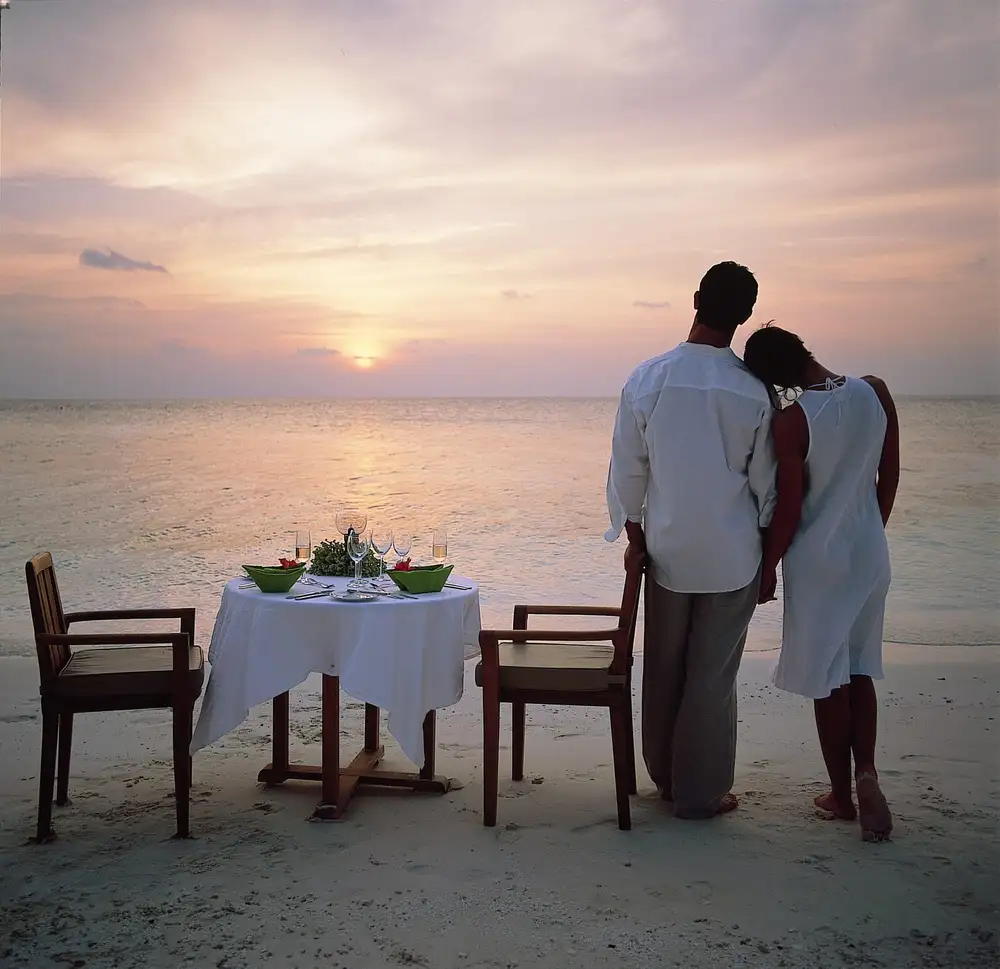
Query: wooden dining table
x: 403, y: 656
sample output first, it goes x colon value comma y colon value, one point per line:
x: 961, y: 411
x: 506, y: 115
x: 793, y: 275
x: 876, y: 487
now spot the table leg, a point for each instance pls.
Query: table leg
x: 331, y: 804
x: 338, y: 783
x: 371, y: 727
x: 430, y: 745
x: 277, y: 771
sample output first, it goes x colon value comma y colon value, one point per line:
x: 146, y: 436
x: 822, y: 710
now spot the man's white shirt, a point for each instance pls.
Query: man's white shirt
x: 691, y: 459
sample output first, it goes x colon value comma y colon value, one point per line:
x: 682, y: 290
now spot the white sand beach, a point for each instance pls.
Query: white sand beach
x: 417, y: 880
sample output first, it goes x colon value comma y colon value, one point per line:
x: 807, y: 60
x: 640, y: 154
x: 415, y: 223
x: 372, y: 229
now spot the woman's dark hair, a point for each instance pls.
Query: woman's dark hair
x: 777, y: 357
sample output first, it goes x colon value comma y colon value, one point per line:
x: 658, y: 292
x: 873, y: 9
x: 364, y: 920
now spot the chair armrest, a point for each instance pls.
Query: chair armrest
x: 522, y: 612
x: 569, y: 610
x: 186, y: 615
x: 180, y: 643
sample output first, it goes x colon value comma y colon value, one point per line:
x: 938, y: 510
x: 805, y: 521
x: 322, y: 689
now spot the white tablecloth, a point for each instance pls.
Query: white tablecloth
x: 402, y: 655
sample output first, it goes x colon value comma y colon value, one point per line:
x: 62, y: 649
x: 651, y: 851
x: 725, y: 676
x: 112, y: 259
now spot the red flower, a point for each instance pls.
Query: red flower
x: 403, y: 565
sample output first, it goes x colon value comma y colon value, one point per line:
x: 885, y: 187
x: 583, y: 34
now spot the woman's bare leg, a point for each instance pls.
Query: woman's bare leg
x: 876, y: 818
x: 833, y: 723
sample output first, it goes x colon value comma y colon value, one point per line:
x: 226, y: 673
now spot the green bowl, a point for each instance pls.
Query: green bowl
x: 421, y: 578
x: 273, y: 578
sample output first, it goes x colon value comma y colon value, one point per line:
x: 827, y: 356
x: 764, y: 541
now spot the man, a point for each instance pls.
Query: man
x: 692, y: 483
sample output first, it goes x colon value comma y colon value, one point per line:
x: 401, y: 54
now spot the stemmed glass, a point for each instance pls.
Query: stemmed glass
x: 349, y: 519
x: 381, y: 539
x: 439, y: 544
x: 303, y: 545
x: 402, y: 542
x: 357, y: 548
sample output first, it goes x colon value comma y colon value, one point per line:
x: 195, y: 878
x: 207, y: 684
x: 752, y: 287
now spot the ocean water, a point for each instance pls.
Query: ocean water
x: 160, y: 502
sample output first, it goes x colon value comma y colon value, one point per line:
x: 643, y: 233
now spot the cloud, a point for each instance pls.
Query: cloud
x: 96, y: 259
x: 179, y: 347
x: 514, y: 294
x: 317, y: 352
x: 645, y: 304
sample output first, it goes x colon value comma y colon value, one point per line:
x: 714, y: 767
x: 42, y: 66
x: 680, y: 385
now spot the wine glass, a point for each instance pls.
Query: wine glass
x: 351, y: 517
x: 439, y: 544
x: 402, y: 542
x: 343, y: 521
x: 381, y: 539
x: 357, y: 549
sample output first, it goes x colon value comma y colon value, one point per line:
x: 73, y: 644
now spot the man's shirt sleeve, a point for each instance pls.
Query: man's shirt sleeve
x: 763, y: 470
x: 629, y: 470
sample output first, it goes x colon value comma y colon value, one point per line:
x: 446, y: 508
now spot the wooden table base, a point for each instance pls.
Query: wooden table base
x: 339, y: 784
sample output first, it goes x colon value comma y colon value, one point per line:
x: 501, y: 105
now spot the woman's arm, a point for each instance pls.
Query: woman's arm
x: 887, y: 480
x: 790, y: 435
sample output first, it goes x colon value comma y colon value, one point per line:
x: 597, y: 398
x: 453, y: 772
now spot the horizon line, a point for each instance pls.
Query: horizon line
x: 393, y: 397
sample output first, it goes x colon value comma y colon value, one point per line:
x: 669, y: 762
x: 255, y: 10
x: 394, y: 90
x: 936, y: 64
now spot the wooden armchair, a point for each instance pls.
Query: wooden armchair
x: 138, y: 671
x: 568, y: 668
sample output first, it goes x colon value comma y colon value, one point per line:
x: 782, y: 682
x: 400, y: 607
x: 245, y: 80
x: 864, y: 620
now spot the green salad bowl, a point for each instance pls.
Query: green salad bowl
x: 421, y: 578
x: 274, y: 578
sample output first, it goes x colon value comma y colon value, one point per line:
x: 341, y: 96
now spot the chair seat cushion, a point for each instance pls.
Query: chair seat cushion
x: 568, y: 667
x: 139, y: 670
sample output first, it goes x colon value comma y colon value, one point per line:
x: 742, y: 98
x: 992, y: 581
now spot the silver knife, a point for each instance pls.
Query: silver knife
x: 310, y: 595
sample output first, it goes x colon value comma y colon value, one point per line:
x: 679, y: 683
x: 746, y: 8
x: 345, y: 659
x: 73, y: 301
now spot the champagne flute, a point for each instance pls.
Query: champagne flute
x: 357, y: 549
x: 303, y: 545
x: 381, y: 539
x: 439, y: 544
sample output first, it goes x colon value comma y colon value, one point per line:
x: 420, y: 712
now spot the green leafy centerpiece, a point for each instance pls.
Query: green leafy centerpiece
x: 331, y: 558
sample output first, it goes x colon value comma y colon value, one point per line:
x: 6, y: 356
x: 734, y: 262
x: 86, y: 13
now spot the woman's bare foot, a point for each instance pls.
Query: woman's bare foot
x: 842, y: 810
x: 876, y: 818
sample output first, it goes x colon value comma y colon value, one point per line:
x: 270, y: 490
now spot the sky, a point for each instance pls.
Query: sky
x: 488, y: 197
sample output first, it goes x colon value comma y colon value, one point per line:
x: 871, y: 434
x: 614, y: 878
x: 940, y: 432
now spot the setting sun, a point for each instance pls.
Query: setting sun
x: 364, y: 363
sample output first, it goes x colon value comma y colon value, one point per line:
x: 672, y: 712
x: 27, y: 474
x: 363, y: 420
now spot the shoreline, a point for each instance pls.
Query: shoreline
x: 414, y: 880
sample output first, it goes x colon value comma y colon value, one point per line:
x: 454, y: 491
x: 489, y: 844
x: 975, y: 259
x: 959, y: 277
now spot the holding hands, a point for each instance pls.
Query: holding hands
x: 768, y: 585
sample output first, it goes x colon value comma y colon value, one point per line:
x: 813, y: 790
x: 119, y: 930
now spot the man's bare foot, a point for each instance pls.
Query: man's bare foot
x: 729, y: 803
x: 876, y: 818
x: 829, y: 804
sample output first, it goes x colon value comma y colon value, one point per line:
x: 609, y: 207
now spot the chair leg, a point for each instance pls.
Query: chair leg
x: 633, y: 785
x: 47, y: 775
x: 183, y: 721
x: 518, y: 717
x: 491, y: 756
x: 621, y: 727
x: 65, y: 747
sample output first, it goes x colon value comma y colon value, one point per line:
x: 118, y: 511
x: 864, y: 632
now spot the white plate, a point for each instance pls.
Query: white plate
x: 353, y: 596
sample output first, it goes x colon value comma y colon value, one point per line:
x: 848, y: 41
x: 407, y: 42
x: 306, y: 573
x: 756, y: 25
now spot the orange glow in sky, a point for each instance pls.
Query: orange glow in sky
x: 488, y: 198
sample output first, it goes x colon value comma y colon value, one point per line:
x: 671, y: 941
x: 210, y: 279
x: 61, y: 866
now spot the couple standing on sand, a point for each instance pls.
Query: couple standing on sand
x: 715, y: 484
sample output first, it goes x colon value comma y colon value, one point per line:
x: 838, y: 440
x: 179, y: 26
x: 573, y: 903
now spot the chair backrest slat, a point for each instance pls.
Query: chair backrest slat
x: 47, y: 616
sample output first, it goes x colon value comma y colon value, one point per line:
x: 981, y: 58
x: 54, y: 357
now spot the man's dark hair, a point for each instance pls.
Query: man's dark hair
x: 777, y: 357
x: 726, y: 296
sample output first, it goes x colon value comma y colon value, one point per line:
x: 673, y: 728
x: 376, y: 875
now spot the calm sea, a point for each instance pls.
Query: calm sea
x: 160, y: 502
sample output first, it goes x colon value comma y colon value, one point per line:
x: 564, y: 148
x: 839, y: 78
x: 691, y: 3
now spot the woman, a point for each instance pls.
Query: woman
x: 837, y: 448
